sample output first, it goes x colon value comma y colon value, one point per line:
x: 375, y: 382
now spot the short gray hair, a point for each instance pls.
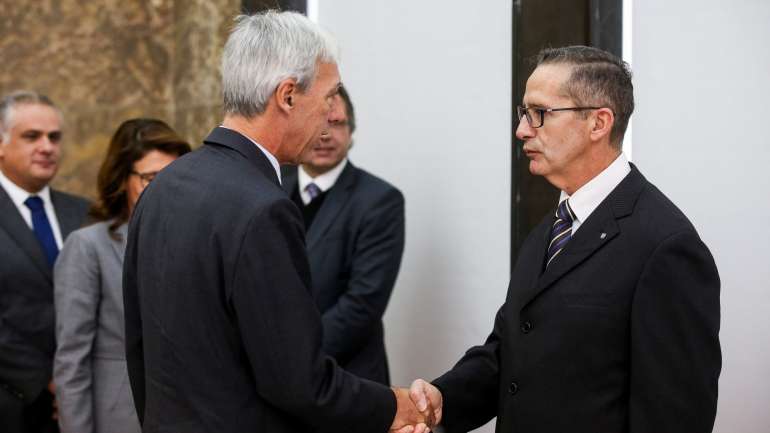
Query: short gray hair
x: 598, y: 78
x: 265, y: 49
x: 19, y: 97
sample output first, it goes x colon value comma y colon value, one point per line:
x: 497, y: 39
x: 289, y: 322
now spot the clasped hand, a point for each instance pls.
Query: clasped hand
x: 418, y: 408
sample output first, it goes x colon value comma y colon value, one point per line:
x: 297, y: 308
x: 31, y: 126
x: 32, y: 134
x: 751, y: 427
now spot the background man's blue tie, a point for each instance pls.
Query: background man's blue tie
x: 313, y: 190
x: 561, y: 232
x: 42, y: 228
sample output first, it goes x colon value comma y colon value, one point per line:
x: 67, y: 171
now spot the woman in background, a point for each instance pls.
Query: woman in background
x: 92, y: 389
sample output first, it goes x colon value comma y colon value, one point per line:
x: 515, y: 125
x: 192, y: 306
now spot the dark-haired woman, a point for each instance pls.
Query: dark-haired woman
x: 92, y: 389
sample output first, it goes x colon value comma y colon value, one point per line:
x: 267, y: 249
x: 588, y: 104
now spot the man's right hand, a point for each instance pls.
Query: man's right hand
x: 428, y: 400
x: 408, y: 418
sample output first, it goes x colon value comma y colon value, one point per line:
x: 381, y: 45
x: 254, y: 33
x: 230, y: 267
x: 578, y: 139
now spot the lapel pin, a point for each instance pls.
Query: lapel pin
x: 603, y: 235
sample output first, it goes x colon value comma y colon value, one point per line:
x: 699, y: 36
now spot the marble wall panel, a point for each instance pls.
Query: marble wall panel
x: 200, y: 33
x: 105, y: 61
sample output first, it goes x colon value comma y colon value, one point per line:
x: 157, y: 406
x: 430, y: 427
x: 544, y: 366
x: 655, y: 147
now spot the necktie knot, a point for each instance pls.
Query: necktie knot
x: 561, y: 231
x: 564, y: 212
x: 34, y: 203
x: 313, y: 190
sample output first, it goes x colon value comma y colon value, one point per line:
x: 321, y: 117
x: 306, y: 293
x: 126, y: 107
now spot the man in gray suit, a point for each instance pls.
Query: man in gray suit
x: 34, y: 221
x: 355, y: 239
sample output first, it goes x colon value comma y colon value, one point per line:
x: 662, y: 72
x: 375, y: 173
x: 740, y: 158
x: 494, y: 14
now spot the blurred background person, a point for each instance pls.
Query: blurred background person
x: 355, y: 239
x: 90, y: 372
x: 34, y: 219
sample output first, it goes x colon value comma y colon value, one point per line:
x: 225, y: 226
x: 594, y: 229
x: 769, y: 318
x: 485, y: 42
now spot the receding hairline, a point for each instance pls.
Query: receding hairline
x: 562, y: 89
x: 22, y: 98
x: 8, y: 122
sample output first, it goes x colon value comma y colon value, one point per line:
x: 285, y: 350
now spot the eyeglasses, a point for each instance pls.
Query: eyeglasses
x: 146, y: 177
x: 536, y: 116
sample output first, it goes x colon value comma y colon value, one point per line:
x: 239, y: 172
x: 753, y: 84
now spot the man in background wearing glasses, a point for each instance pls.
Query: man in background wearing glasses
x: 611, y: 320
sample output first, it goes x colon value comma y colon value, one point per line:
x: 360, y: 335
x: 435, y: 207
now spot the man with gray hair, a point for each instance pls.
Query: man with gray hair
x: 611, y: 322
x: 34, y: 220
x: 222, y: 332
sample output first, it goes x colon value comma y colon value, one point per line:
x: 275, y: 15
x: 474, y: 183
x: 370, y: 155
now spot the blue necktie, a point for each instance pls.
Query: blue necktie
x: 42, y: 228
x: 561, y: 232
x: 313, y: 191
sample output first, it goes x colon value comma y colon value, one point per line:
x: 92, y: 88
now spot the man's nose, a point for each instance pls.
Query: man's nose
x: 46, y: 145
x: 524, y: 131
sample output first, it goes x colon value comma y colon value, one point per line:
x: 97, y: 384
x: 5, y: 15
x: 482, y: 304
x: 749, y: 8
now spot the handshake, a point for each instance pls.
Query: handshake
x: 418, y: 408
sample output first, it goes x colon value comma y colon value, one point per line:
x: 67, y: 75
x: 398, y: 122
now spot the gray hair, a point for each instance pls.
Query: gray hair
x: 265, y: 49
x: 20, y: 97
x: 598, y: 79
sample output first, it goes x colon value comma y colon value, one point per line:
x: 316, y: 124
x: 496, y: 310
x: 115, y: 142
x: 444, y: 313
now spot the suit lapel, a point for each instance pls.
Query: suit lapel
x: 18, y: 230
x: 600, y: 228
x: 119, y: 245
x: 334, y: 202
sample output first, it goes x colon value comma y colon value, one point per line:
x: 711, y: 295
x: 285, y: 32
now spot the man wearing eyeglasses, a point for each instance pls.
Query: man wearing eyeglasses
x: 611, y: 320
x: 34, y: 220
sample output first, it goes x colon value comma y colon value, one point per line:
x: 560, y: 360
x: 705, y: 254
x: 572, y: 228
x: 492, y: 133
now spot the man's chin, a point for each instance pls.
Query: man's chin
x: 43, y: 176
x: 536, y: 168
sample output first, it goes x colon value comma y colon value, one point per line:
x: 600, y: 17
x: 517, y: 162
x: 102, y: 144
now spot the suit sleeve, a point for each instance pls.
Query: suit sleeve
x: 675, y: 352
x: 76, y: 301
x: 282, y: 332
x: 376, y: 259
x: 470, y: 388
x: 133, y: 319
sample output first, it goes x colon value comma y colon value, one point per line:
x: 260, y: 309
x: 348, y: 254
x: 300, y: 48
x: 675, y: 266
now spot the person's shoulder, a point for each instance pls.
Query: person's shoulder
x: 91, y: 234
x: 375, y: 186
x: 658, y: 216
x: 72, y: 200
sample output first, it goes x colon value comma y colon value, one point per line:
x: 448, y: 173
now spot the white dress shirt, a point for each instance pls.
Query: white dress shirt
x: 586, y: 199
x: 324, y: 181
x: 18, y: 196
x: 269, y: 155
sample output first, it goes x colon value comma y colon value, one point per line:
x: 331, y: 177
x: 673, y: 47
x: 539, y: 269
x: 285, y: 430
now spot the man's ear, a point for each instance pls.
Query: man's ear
x: 285, y: 94
x: 603, y: 120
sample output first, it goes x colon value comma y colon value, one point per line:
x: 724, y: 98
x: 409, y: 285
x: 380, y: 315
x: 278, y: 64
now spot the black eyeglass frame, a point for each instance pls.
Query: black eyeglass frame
x: 524, y: 112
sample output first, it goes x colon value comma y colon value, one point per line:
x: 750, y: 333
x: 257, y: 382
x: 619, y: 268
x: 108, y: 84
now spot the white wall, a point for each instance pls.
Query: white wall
x: 702, y: 134
x: 431, y: 84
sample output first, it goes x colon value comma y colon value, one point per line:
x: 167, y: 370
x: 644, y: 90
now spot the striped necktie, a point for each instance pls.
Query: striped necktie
x: 561, y: 231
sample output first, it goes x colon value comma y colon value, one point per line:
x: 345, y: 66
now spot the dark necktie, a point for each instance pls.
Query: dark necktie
x: 42, y: 228
x: 561, y: 231
x: 313, y: 191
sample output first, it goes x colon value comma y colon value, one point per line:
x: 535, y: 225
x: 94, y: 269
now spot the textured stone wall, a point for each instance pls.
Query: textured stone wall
x: 105, y: 61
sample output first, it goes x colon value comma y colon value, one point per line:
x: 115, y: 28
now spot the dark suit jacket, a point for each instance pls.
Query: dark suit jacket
x: 619, y: 334
x: 222, y: 334
x: 354, y: 246
x: 26, y: 296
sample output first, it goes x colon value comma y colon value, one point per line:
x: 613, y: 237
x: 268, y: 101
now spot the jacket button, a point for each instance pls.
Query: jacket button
x: 513, y: 388
x: 526, y: 327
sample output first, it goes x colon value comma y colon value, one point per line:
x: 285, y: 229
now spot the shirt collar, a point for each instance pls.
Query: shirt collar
x: 19, y: 195
x: 586, y: 199
x: 324, y: 181
x: 270, y: 157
